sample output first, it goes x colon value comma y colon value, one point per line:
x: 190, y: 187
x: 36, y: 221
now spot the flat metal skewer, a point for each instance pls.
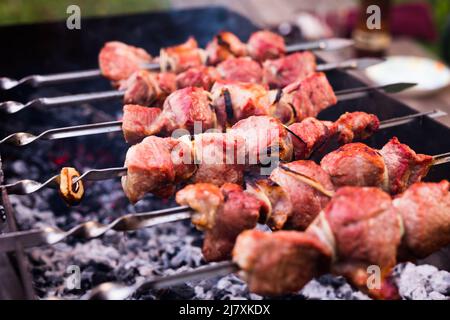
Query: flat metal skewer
x: 20, y: 139
x: 11, y: 107
x: 116, y: 291
x: 57, y: 78
x: 92, y: 229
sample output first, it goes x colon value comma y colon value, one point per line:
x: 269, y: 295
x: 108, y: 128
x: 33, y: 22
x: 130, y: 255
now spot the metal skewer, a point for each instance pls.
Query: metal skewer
x: 11, y: 107
x: 92, y: 229
x: 57, y: 78
x: 25, y: 138
x: 116, y: 291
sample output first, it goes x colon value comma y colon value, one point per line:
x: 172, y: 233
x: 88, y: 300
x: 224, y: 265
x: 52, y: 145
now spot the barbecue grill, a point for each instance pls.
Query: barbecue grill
x: 131, y: 257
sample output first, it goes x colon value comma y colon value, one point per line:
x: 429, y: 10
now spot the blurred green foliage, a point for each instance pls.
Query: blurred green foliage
x: 28, y: 11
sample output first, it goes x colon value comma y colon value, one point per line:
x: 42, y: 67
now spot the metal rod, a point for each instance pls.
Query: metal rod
x: 441, y: 159
x: 409, y: 118
x: 92, y: 229
x: 116, y: 291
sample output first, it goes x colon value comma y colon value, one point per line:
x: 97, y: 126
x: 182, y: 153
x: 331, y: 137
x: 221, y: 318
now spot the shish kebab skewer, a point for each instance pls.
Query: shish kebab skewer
x: 299, y: 141
x: 291, y: 198
x: 384, y: 231
x: 118, y: 60
x: 142, y: 89
x: 20, y: 139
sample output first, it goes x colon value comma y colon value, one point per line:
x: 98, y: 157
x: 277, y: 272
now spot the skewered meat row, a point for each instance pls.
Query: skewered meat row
x: 227, y: 103
x: 149, y: 88
x: 291, y: 198
x: 158, y: 164
x: 358, y: 228
x: 118, y: 60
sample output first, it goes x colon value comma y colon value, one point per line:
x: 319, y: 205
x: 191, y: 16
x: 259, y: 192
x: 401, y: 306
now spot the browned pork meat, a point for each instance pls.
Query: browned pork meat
x: 242, y: 69
x: 405, y: 167
x: 309, y: 96
x: 202, y: 77
x: 264, y: 137
x: 181, y: 57
x: 188, y: 109
x: 353, y: 126
x: 156, y: 165
x: 225, y: 45
x: 425, y: 209
x: 147, y: 88
x: 281, y: 262
x: 364, y: 228
x: 137, y: 121
x: 356, y: 164
x: 220, y: 158
x: 307, y: 201
x: 118, y: 60
x: 235, y: 101
x: 222, y: 213
x: 263, y: 45
x: 294, y: 67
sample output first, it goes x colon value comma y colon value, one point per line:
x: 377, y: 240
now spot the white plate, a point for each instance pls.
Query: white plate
x: 431, y: 76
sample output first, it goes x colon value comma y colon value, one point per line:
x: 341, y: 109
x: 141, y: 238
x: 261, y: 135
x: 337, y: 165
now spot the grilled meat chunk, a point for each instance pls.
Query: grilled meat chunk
x: 264, y: 137
x: 225, y: 45
x: 202, y: 77
x: 425, y: 209
x: 181, y: 57
x: 358, y: 125
x: 187, y: 109
x: 137, y: 121
x: 356, y: 164
x: 156, y: 165
x: 263, y: 45
x: 365, y: 230
x: 147, y: 88
x: 280, y: 262
x: 309, y: 96
x: 220, y: 158
x: 118, y: 60
x: 283, y: 71
x: 240, y: 69
x: 235, y: 101
x: 223, y: 213
x: 405, y: 167
x: 306, y: 200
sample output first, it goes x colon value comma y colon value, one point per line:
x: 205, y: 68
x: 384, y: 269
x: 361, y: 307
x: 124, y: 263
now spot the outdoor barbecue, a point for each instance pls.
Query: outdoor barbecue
x: 193, y: 155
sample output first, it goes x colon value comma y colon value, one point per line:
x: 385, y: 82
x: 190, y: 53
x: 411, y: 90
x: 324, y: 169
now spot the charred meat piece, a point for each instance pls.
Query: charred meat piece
x: 201, y: 77
x: 156, y: 165
x: 353, y: 126
x: 281, y: 262
x: 356, y: 164
x: 186, y: 109
x: 425, y: 209
x: 306, y: 201
x: 294, y: 67
x: 309, y: 136
x: 405, y: 167
x: 366, y: 230
x: 225, y: 45
x: 222, y: 213
x: 235, y: 101
x: 240, y: 69
x: 263, y: 45
x: 220, y: 158
x: 181, y: 57
x: 148, y: 89
x: 137, y: 121
x: 118, y: 60
x: 309, y: 96
x: 264, y: 137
